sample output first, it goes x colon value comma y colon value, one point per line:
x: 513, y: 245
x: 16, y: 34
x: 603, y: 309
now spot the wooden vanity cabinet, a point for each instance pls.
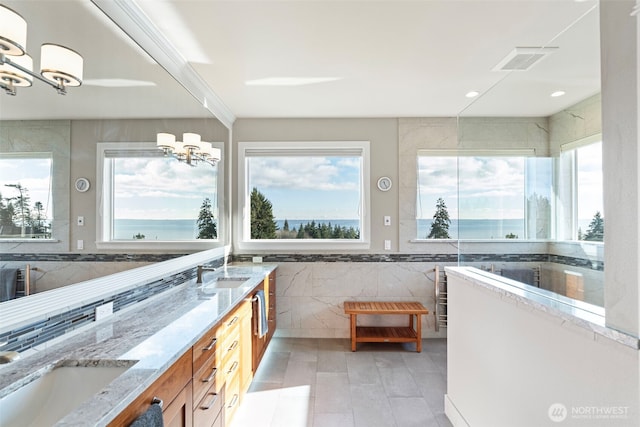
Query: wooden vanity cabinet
x: 174, y: 388
x: 205, y: 386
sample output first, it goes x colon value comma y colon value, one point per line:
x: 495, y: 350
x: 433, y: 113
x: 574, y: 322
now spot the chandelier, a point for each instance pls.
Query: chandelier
x: 60, y: 67
x: 191, y: 150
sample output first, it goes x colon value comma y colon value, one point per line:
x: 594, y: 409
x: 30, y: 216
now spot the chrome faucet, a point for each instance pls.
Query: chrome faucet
x: 8, y: 356
x: 202, y: 268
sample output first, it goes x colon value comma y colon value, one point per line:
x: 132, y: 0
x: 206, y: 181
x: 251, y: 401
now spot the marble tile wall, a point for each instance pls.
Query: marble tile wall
x: 310, y: 295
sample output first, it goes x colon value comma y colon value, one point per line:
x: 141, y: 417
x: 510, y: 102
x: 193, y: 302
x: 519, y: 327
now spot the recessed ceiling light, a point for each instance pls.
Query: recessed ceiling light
x: 472, y: 94
x: 290, y: 81
x: 117, y: 83
x: 557, y: 93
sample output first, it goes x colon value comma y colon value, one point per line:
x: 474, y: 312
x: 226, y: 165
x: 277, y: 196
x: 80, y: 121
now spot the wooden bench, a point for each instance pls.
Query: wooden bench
x: 386, y: 333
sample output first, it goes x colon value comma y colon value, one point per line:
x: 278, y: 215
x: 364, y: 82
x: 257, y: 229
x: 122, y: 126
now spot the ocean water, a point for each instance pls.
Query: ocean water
x: 156, y: 229
x: 476, y: 228
x: 187, y: 229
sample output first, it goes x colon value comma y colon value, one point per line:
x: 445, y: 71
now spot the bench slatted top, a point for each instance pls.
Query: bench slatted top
x: 384, y: 307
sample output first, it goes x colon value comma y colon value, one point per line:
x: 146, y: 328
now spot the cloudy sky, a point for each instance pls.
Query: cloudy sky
x: 480, y: 187
x: 161, y: 188
x: 310, y: 187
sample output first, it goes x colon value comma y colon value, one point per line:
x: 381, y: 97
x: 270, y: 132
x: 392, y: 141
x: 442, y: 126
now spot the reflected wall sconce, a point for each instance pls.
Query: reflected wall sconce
x: 60, y: 67
x: 191, y: 150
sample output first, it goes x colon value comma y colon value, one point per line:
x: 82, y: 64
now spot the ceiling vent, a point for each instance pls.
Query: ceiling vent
x: 523, y: 58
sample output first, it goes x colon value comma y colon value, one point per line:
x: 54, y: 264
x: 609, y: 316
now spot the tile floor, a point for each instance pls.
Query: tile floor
x: 305, y: 382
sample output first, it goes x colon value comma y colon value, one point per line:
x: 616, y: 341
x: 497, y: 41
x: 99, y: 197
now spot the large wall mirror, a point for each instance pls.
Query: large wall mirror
x: 528, y: 196
x: 48, y: 141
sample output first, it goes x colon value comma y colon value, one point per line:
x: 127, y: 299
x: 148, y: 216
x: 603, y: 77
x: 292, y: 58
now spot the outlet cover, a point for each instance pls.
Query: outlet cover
x: 387, y: 245
x: 104, y: 311
x: 256, y: 259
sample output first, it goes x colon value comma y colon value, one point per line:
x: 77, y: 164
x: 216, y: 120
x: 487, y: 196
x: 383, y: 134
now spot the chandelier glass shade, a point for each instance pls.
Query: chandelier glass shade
x: 60, y: 66
x: 191, y: 150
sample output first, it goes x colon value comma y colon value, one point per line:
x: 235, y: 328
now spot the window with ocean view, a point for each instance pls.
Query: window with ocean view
x: 26, y: 210
x: 589, y: 224
x: 489, y: 196
x: 305, y: 193
x: 150, y: 198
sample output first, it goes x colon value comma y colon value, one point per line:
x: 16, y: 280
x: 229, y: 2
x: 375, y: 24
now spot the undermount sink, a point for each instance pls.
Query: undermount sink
x: 57, y: 393
x: 227, y: 282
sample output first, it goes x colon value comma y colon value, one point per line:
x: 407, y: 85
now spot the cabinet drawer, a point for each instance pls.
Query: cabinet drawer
x: 230, y: 346
x: 231, y: 364
x: 207, y: 412
x: 205, y: 348
x: 206, y: 378
x: 232, y: 399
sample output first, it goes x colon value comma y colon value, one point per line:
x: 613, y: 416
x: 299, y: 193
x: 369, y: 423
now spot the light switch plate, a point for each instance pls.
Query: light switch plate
x: 104, y: 311
x: 387, y: 220
x: 80, y: 221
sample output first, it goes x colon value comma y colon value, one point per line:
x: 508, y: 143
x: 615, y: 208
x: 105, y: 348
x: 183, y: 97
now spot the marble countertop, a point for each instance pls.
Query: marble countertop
x: 586, y: 316
x: 151, y: 336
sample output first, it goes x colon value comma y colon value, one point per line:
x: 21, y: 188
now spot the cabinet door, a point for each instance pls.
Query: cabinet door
x: 179, y: 413
x: 246, y: 353
x: 167, y: 388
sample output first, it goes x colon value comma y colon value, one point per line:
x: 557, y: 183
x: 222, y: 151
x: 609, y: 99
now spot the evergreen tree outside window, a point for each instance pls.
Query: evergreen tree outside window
x: 441, y: 222
x: 206, y: 221
x: 595, y: 232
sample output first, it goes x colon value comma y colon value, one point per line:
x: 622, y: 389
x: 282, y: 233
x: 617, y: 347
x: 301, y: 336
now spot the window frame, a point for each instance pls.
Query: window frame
x: 104, y: 204
x: 242, y: 226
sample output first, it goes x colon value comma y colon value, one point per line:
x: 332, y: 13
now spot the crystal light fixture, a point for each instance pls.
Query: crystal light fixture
x: 191, y: 150
x: 60, y: 67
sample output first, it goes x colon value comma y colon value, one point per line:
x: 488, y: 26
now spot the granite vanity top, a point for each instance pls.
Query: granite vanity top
x: 150, y: 336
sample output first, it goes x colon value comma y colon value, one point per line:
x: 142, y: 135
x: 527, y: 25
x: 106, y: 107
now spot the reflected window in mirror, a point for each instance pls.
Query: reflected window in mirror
x: 484, y: 195
x: 26, y: 203
x: 148, y: 197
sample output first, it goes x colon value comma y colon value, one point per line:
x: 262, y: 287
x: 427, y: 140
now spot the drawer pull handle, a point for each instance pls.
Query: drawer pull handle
x: 234, y: 400
x: 211, y: 377
x: 211, y: 345
x: 233, y: 346
x: 232, y: 321
x: 211, y: 402
x: 233, y: 367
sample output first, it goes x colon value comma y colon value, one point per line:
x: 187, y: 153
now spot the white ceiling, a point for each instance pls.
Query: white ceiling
x: 383, y: 58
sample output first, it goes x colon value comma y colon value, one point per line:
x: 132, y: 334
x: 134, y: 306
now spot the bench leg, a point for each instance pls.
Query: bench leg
x: 418, y: 333
x: 353, y: 332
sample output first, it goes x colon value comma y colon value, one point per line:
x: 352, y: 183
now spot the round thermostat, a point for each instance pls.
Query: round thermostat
x: 82, y: 184
x: 384, y: 183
